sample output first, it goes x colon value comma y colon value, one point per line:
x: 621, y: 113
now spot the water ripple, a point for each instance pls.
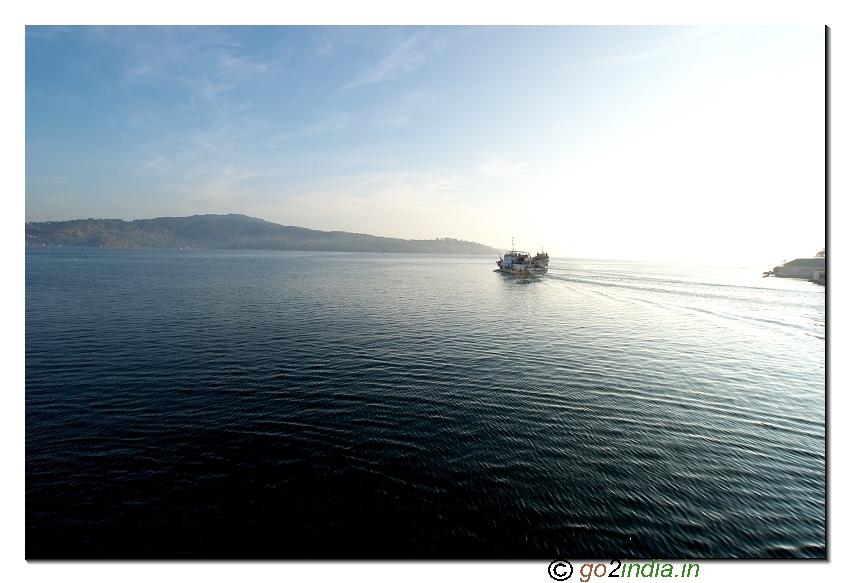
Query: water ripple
x: 187, y: 404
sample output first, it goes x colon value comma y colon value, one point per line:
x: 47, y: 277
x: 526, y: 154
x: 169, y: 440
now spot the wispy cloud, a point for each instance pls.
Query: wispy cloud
x: 214, y: 140
x: 400, y: 114
x: 691, y: 39
x: 331, y: 123
x: 404, y: 59
x: 396, y: 204
x: 239, y: 66
x: 498, y: 166
x: 208, y: 63
x: 159, y: 165
x: 41, y: 32
x: 199, y: 77
x: 222, y: 186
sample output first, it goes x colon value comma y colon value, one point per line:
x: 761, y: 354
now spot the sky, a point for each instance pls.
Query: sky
x: 684, y: 143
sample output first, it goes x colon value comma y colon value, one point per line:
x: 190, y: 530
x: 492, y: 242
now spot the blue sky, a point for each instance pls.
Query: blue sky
x: 684, y: 143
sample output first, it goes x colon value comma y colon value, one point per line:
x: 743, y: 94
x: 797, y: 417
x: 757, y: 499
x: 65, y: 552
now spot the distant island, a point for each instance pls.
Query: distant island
x: 229, y: 232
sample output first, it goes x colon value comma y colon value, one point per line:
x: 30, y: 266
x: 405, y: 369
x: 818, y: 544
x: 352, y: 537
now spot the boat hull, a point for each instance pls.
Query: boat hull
x: 524, y: 270
x: 522, y: 263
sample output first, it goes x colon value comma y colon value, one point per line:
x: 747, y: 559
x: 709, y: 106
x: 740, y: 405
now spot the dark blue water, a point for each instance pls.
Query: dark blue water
x: 214, y: 404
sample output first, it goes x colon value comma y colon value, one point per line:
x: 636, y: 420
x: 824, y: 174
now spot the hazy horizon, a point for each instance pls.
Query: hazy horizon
x: 697, y: 144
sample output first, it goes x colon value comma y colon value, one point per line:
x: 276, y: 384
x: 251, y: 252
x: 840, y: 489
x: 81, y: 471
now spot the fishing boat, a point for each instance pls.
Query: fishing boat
x: 521, y: 262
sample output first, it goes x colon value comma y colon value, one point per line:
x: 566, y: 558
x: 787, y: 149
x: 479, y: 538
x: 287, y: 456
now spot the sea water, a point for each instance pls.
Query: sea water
x: 253, y: 404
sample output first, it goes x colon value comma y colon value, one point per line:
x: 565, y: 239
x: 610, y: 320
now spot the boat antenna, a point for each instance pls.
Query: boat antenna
x: 512, y: 244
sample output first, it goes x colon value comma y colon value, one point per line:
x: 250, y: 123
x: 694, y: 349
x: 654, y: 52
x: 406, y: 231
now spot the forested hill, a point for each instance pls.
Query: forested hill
x: 228, y: 232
